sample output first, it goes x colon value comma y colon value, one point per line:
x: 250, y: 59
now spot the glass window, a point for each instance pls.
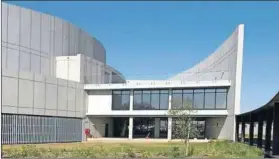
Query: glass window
x: 188, y: 100
x: 137, y: 101
x: 155, y: 91
x: 125, y: 103
x: 209, y: 100
x: 120, y: 100
x: 116, y: 101
x: 164, y: 91
x: 137, y: 92
x: 176, y: 101
x: 146, y: 100
x: 221, y: 100
x: 221, y: 90
x: 210, y: 90
x: 151, y: 99
x: 125, y: 92
x: 155, y: 100
x: 176, y: 91
x: 188, y: 91
x: 198, y: 99
x: 164, y: 101
x: 198, y: 90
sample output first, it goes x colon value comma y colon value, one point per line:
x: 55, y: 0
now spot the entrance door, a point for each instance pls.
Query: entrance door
x: 106, y: 130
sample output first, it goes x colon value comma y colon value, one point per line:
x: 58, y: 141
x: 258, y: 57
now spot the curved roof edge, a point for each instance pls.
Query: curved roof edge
x: 268, y: 104
x: 116, y: 71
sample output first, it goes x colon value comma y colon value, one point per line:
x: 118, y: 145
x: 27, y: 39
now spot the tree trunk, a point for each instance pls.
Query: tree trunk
x: 188, y: 136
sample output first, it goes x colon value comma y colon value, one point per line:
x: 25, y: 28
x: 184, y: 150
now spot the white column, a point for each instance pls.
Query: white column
x: 170, y: 98
x: 157, y: 128
x: 131, y: 99
x: 169, y: 128
x: 131, y: 128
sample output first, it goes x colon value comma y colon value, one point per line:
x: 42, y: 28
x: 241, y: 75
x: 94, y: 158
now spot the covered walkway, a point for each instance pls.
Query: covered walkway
x: 261, y: 127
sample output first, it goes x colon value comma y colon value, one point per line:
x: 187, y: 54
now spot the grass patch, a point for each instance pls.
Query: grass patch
x: 223, y: 149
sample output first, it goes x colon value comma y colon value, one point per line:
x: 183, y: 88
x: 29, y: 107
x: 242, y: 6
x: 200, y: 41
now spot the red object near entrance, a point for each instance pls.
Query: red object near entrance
x: 87, y: 132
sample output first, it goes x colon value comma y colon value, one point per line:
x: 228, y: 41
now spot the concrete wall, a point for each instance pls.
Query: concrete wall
x: 36, y: 94
x: 224, y: 64
x: 214, y: 128
x: 97, y: 126
x: 99, y: 102
x: 41, y: 35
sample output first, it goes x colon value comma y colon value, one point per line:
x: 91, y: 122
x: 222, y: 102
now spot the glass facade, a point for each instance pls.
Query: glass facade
x: 197, y: 99
x: 27, y: 129
x: 120, y: 127
x: 209, y: 98
x: 144, y: 127
x: 121, y: 100
x: 151, y: 100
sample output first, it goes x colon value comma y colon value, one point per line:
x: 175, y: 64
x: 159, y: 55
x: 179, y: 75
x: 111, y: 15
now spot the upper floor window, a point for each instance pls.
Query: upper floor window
x: 209, y: 98
x: 121, y: 100
x: 151, y: 100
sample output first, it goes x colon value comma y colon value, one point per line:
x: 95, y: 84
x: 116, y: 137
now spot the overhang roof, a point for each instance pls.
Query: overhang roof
x: 268, y: 105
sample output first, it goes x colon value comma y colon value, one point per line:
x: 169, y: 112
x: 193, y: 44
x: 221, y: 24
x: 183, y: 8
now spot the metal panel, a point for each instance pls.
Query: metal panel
x: 72, y: 37
x: 62, y: 98
x: 35, y: 63
x: 45, y: 34
x: 51, y: 96
x: 12, y: 59
x: 36, y: 31
x: 13, y: 24
x: 25, y: 93
x: 10, y: 87
x: 66, y: 40
x: 39, y: 95
x: 4, y: 21
x: 4, y: 56
x: 45, y: 66
x: 58, y: 37
x: 25, y: 27
x: 25, y: 64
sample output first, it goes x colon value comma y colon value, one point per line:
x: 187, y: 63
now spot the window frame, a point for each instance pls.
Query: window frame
x: 112, y: 94
x: 217, y: 90
x: 151, y: 91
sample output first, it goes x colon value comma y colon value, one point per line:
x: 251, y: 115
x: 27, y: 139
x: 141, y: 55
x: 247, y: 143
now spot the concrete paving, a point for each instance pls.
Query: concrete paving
x: 125, y: 140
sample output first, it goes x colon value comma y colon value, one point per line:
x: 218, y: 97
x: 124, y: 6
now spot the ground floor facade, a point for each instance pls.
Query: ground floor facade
x: 154, y: 127
x: 31, y: 129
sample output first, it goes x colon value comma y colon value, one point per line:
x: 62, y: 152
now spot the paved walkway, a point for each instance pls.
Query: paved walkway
x: 125, y: 140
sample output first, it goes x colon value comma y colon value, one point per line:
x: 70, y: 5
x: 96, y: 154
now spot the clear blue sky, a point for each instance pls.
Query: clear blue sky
x: 154, y: 40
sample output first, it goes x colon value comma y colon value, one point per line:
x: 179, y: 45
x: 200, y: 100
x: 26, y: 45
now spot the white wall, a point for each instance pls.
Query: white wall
x: 97, y: 126
x: 69, y: 68
x: 99, y: 102
x: 215, y: 128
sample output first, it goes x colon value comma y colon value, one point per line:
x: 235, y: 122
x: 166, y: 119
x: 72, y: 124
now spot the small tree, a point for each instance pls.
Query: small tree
x: 183, y: 127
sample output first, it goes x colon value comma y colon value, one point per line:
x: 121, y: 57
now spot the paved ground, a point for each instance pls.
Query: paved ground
x: 121, y: 140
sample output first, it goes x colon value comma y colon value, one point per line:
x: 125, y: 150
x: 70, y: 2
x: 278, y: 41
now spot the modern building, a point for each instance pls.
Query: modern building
x: 56, y: 83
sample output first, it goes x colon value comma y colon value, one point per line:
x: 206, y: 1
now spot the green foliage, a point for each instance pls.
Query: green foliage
x: 175, y: 152
x: 130, y: 153
x: 183, y: 128
x: 145, y: 154
x: 221, y: 149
